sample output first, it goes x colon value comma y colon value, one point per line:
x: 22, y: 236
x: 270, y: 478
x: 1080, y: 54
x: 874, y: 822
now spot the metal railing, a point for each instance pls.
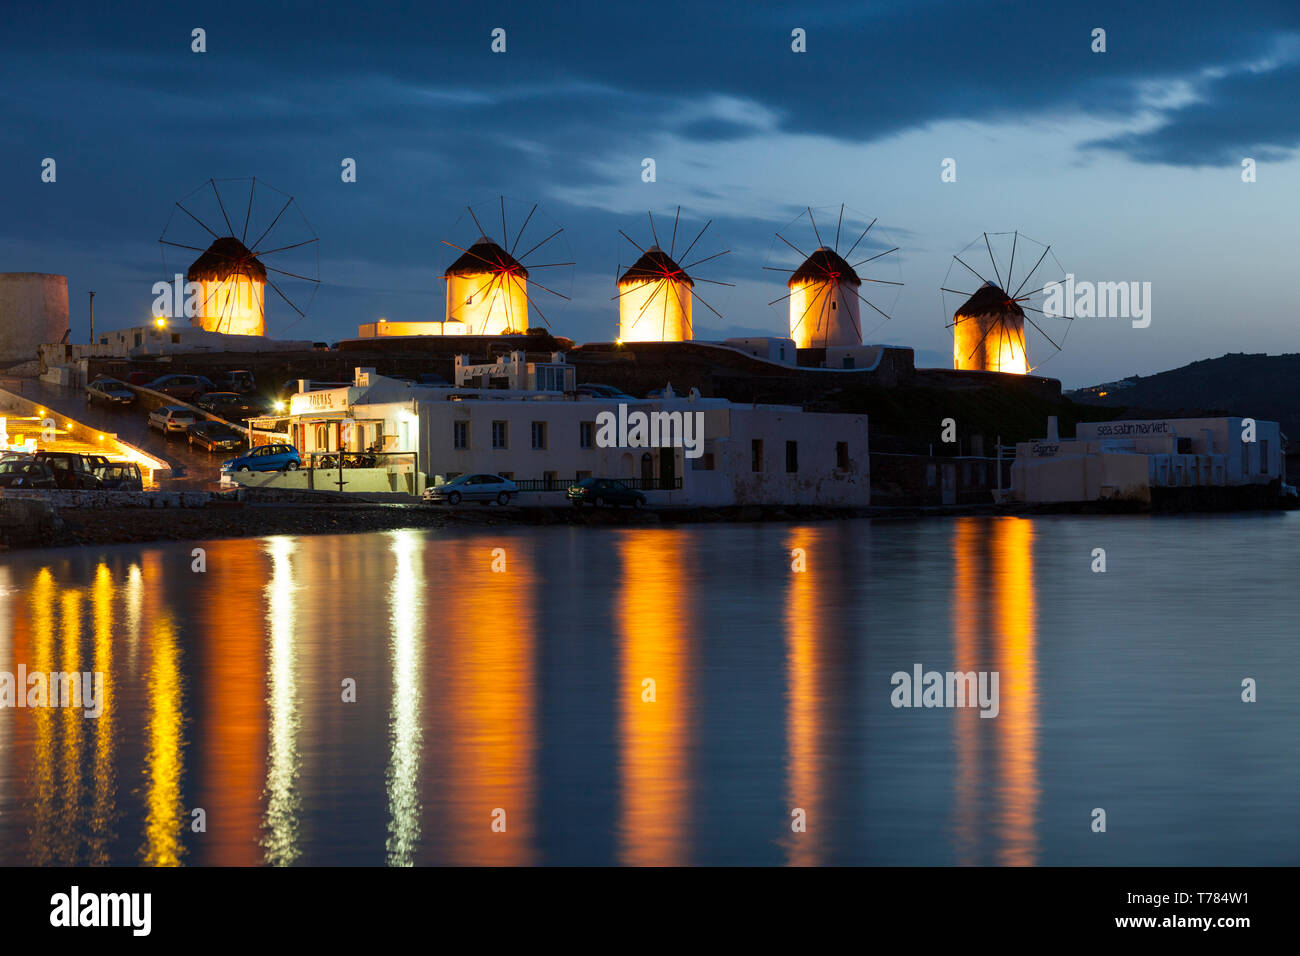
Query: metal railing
x: 563, y: 484
x: 358, y: 459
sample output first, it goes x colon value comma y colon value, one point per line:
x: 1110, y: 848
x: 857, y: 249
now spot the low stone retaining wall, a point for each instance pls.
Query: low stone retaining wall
x: 27, y: 522
x: 110, y: 499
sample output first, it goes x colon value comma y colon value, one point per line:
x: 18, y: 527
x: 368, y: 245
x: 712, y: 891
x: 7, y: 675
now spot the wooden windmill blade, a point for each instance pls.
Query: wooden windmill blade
x: 491, y: 286
x: 232, y: 273
x: 826, y: 292
x: 656, y: 294
x: 991, y: 325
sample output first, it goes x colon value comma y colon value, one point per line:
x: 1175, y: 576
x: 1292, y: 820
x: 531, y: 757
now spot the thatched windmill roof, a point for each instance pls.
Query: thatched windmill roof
x: 823, y: 265
x: 655, y: 264
x: 224, y: 258
x: 485, y: 256
x: 990, y: 300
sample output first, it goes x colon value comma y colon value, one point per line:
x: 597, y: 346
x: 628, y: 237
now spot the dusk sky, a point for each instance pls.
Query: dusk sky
x: 1129, y: 161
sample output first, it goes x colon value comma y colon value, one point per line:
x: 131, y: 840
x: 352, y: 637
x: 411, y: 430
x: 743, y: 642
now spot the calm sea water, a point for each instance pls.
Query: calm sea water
x: 518, y: 696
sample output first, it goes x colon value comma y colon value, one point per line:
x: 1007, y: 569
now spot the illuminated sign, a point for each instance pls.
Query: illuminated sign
x: 329, y: 400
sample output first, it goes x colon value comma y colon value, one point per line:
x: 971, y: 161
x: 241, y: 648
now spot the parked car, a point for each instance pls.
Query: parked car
x: 237, y: 380
x: 96, y: 462
x: 604, y: 491
x: 172, y: 419
x: 475, y: 487
x: 265, y: 458
x: 26, y: 473
x: 231, y: 406
x: 185, y: 387
x: 72, y: 470
x: 212, y: 436
x: 592, y: 390
x: 110, y: 391
x: 121, y: 476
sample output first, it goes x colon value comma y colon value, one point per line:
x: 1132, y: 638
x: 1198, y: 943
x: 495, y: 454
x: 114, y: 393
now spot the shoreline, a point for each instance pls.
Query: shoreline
x: 86, y: 527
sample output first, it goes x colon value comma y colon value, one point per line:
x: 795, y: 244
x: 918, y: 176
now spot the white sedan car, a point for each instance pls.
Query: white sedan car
x: 475, y: 487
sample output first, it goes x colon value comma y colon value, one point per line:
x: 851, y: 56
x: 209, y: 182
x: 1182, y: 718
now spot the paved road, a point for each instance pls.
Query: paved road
x: 191, y: 469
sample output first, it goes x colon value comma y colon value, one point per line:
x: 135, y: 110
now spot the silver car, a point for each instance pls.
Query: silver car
x: 474, y: 487
x: 171, y: 420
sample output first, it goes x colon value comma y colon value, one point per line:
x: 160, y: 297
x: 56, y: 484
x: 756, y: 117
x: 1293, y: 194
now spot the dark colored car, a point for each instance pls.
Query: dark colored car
x: 109, y: 391
x: 237, y: 380
x: 26, y: 473
x: 185, y: 387
x: 121, y: 476
x: 231, y: 406
x: 214, y: 436
x: 592, y: 390
x: 604, y: 491
x: 71, y: 470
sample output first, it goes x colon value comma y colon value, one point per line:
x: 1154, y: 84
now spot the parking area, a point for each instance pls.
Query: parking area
x: 191, y: 469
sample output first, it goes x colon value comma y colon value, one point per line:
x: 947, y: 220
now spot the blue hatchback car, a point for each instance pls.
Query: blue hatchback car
x: 265, y: 458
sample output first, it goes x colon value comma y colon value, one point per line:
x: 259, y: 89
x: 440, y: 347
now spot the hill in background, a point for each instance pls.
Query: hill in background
x: 1255, y: 386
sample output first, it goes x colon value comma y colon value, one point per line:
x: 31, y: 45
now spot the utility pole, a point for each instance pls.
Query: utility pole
x: 92, y: 318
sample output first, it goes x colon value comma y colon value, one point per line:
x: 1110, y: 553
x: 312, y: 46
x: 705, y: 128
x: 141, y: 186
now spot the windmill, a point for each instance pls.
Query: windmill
x: 655, y: 294
x: 488, y: 285
x: 825, y: 289
x: 988, y: 325
x: 231, y: 273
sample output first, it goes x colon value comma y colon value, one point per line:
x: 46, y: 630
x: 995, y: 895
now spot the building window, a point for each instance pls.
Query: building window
x: 791, y: 456
x: 842, y: 455
x: 552, y: 479
x: 929, y: 476
x: 703, y: 463
x: 469, y: 300
x: 539, y: 435
x: 460, y: 435
x: 833, y: 305
x: 756, y: 455
x: 1263, y: 456
x: 582, y: 475
x: 500, y: 435
x: 848, y: 361
x: 586, y: 434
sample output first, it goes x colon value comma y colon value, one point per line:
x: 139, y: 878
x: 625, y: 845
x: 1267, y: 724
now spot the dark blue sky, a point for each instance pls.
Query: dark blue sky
x: 1128, y: 162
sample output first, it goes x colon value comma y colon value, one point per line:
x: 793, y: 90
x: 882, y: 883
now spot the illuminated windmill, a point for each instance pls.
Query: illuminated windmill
x: 655, y: 294
x: 232, y: 273
x: 488, y: 286
x: 988, y: 326
x: 825, y: 289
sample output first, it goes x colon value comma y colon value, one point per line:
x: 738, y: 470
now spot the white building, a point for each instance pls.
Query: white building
x: 709, y: 452
x: 1127, y: 460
